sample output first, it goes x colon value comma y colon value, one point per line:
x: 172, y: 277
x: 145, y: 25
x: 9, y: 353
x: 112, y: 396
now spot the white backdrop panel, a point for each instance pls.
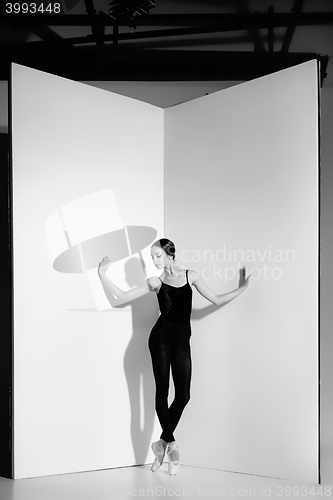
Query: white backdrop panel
x: 241, y: 188
x: 79, y: 372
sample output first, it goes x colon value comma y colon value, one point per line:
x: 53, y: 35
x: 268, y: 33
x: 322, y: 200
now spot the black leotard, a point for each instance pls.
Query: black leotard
x: 169, y: 345
x: 175, y: 302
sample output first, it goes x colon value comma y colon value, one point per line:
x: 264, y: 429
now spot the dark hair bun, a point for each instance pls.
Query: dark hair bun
x: 167, y: 245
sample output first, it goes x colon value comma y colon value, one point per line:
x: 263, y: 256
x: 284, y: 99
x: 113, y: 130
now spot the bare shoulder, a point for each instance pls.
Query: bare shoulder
x: 202, y: 287
x: 154, y: 283
x: 193, y: 276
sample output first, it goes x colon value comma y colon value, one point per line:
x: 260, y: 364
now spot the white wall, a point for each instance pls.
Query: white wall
x: 242, y: 175
x: 83, y: 384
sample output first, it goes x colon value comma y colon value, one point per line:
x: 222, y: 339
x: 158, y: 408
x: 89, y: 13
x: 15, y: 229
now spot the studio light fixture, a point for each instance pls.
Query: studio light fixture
x: 130, y: 10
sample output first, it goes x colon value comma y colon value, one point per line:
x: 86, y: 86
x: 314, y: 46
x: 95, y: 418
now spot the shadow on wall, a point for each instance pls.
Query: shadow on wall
x: 78, y: 235
x: 137, y: 363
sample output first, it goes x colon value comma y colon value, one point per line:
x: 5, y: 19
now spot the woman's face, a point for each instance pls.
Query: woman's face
x: 159, y: 257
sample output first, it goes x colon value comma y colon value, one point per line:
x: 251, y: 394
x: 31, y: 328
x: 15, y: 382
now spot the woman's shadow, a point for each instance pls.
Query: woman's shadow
x: 137, y: 361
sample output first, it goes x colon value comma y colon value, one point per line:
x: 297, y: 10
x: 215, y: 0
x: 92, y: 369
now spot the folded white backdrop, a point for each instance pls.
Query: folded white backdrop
x: 232, y: 178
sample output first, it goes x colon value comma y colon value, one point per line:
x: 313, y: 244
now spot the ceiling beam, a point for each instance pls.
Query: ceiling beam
x: 297, y: 9
x: 156, y: 65
x: 226, y: 22
x: 47, y: 34
x: 97, y: 27
x: 271, y: 29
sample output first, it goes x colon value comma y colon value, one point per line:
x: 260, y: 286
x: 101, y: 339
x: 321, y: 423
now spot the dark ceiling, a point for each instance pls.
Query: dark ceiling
x: 175, y: 40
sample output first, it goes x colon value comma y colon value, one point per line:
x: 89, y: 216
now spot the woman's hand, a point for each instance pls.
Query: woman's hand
x: 243, y: 281
x: 103, y: 266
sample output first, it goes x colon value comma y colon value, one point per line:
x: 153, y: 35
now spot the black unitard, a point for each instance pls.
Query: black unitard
x: 169, y: 345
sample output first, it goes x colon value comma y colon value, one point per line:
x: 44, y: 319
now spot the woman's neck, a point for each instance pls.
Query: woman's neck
x: 172, y: 272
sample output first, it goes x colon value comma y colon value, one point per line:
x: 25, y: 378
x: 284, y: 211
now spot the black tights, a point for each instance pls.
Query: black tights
x: 169, y: 346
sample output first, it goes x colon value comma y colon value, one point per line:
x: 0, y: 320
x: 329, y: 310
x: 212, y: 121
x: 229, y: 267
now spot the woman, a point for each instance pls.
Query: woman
x: 169, y: 340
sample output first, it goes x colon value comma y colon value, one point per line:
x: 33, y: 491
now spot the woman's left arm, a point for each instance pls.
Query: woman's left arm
x: 223, y: 298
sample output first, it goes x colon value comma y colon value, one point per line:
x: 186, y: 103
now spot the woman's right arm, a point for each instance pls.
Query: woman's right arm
x: 127, y: 296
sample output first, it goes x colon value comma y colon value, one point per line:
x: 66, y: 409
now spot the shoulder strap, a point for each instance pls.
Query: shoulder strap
x: 186, y: 275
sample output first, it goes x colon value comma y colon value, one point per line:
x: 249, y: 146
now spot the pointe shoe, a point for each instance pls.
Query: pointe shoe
x: 173, y: 465
x: 159, y: 452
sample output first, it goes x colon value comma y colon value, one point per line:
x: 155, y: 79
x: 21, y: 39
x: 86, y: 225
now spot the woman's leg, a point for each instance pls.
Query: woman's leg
x: 160, y: 350
x: 181, y: 366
